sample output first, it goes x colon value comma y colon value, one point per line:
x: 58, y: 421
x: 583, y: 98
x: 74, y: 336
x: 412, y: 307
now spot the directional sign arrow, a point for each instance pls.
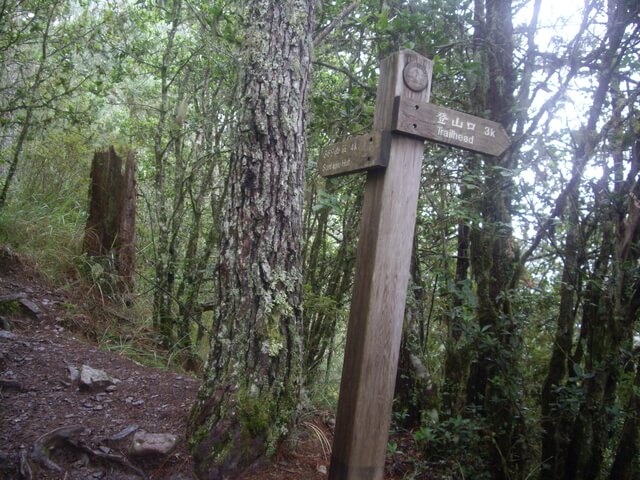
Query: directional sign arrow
x: 356, y: 154
x: 449, y: 127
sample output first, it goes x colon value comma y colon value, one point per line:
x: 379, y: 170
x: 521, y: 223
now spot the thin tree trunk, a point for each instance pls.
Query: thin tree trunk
x: 554, y: 435
x: 165, y: 255
x: 626, y: 464
x: 188, y: 291
x: 457, y: 355
x: 415, y: 391
x: 332, y: 277
x: 26, y: 123
x: 606, y: 302
x: 583, y: 459
x: 15, y: 159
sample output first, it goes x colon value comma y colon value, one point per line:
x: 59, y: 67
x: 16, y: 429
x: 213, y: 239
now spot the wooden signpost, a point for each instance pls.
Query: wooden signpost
x: 356, y: 154
x: 392, y: 156
x: 449, y: 127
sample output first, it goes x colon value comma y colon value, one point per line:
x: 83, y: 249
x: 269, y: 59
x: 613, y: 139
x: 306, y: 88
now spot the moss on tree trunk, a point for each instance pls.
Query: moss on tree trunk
x: 250, y: 393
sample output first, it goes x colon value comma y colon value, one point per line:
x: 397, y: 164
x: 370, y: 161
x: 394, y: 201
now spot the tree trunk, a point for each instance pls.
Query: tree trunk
x: 166, y: 228
x: 415, y: 391
x: 457, y: 354
x: 111, y: 226
x: 611, y: 307
x: 330, y: 276
x: 584, y: 458
x: 251, y: 388
x: 15, y: 158
x: 26, y: 122
x: 494, y: 389
x: 554, y: 420
x: 609, y: 310
x: 626, y: 465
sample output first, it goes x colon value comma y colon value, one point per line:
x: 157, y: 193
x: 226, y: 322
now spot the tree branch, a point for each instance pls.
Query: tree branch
x: 324, y: 33
x: 346, y: 72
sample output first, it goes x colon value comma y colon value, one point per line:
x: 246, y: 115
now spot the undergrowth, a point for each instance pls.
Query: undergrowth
x: 120, y: 326
x: 50, y: 234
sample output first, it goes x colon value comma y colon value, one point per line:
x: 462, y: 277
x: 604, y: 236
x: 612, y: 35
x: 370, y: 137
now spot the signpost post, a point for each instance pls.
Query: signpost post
x: 392, y: 156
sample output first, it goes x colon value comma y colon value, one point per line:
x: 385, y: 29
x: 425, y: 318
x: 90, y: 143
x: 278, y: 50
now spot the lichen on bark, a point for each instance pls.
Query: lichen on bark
x: 251, y: 386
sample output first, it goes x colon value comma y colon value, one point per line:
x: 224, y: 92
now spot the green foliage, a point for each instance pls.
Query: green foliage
x: 455, y: 438
x: 392, y: 449
x: 10, y: 308
x: 323, y: 391
x: 315, y: 304
x: 100, y: 275
x: 54, y: 168
x: 51, y: 234
x: 138, y: 343
x: 46, y: 216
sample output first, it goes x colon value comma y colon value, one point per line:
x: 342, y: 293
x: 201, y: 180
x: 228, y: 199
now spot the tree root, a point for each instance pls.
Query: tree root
x: 51, y: 440
x: 109, y: 457
x: 69, y: 436
x: 10, y: 385
x: 25, y: 466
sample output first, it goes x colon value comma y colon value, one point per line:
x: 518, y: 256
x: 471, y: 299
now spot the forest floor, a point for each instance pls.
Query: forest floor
x: 51, y: 428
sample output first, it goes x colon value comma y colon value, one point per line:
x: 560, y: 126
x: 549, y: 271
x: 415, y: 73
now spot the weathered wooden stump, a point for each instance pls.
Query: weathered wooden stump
x: 111, y: 225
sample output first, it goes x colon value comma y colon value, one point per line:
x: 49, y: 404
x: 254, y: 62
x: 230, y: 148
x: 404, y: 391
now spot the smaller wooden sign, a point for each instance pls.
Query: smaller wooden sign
x: 449, y: 127
x: 356, y: 154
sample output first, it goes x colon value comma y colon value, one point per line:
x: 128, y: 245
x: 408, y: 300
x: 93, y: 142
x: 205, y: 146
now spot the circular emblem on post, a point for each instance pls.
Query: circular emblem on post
x: 415, y: 76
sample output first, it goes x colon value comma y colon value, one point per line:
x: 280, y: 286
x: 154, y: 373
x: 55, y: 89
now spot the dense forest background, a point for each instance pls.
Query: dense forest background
x: 521, y: 338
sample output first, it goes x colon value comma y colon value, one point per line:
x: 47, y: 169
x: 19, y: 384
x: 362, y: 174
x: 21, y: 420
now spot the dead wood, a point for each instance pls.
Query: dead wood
x: 122, y: 435
x: 11, y: 297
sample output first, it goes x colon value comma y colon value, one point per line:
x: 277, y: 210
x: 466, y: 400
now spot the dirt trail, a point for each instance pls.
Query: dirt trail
x: 50, y: 428
x: 38, y: 395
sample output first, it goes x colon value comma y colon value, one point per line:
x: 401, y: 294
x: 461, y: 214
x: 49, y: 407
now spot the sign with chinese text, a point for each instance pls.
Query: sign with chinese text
x: 449, y: 127
x: 356, y: 154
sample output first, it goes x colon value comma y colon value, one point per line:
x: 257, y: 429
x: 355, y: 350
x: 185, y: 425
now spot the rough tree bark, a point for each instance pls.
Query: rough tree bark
x: 252, y: 378
x: 493, y: 388
x: 111, y: 225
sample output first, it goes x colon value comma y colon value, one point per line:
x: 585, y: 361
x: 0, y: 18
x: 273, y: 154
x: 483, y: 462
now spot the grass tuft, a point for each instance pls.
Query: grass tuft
x: 49, y: 234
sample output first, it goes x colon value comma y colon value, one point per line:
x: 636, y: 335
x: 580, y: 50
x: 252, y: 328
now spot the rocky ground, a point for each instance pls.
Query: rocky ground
x: 69, y: 410
x: 55, y: 424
